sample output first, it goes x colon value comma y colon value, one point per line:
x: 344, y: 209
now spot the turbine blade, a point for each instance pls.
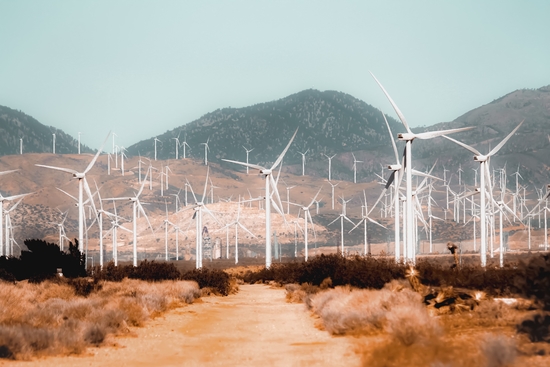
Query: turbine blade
x: 433, y: 134
x: 280, y: 158
x: 501, y: 144
x: 97, y: 154
x: 68, y: 170
x: 396, y: 109
x: 255, y: 166
x: 471, y: 149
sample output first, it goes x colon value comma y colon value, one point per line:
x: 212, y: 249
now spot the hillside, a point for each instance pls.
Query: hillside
x: 37, y: 138
x: 329, y: 122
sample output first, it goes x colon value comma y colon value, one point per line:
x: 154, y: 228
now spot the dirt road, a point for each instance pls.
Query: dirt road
x: 255, y: 327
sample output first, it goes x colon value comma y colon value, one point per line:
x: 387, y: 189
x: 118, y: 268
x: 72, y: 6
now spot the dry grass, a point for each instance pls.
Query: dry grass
x: 402, y: 314
x: 49, y: 318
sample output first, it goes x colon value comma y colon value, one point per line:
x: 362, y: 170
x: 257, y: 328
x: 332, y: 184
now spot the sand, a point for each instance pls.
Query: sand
x: 255, y: 327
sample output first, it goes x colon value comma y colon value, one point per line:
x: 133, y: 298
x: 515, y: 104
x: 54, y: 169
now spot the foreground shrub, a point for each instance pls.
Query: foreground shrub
x: 401, y: 314
x: 41, y: 261
x: 50, y: 318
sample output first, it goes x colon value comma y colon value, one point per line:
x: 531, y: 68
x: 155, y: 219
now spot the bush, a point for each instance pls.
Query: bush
x: 218, y: 280
x: 41, y: 261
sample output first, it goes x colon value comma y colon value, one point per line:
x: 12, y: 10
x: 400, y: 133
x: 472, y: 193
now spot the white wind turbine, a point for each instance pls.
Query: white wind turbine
x: 329, y: 166
x: 177, y: 141
x: 53, y: 143
x: 484, y: 174
x: 237, y: 224
x: 269, y: 183
x: 136, y: 205
x: 332, y: 192
x: 364, y: 218
x: 408, y: 137
x: 206, y: 149
x: 61, y: 229
x: 342, y: 216
x: 304, y: 162
x: 307, y: 216
x: 79, y: 142
x: 155, y: 143
x: 199, y: 207
x: 9, y: 232
x: 20, y: 145
x: 288, y: 188
x: 355, y: 161
x: 82, y: 186
x: 185, y: 145
x: 543, y: 199
x: 247, y: 152
x: 115, y: 226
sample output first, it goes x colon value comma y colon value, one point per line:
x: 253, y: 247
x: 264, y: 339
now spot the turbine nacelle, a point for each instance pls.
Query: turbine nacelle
x: 406, y: 136
x: 266, y: 172
x: 78, y: 175
x: 480, y: 158
x: 394, y: 167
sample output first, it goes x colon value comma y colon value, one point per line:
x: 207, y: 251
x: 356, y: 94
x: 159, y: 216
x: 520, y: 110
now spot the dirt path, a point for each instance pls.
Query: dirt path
x: 255, y: 327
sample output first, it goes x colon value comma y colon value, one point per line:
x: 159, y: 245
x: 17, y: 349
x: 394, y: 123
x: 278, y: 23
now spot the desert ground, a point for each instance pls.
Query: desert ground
x: 255, y: 327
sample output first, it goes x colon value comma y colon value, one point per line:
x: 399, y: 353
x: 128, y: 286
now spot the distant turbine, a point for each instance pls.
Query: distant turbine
x: 408, y: 137
x: 304, y: 162
x: 269, y: 183
x: 247, y: 152
x: 484, y: 173
x: 155, y: 143
x: 329, y: 166
x: 53, y: 143
x: 206, y: 149
x: 355, y: 161
x: 82, y: 185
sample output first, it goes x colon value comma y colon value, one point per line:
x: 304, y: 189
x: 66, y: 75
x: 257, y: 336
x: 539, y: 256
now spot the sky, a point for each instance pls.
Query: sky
x: 140, y: 68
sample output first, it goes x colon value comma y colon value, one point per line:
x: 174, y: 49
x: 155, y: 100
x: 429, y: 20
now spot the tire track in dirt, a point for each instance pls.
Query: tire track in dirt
x: 255, y: 327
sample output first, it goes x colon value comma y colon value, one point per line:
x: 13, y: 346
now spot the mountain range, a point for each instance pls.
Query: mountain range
x: 330, y: 123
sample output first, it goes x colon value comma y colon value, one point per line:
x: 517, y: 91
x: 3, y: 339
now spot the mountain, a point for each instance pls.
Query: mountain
x: 528, y: 149
x: 336, y: 123
x: 329, y: 122
x: 37, y: 138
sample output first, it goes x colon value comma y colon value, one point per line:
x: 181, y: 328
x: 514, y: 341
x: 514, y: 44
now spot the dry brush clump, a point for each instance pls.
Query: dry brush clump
x: 50, y: 318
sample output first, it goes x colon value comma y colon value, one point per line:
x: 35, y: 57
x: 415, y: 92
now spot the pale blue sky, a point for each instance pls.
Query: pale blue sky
x: 143, y: 67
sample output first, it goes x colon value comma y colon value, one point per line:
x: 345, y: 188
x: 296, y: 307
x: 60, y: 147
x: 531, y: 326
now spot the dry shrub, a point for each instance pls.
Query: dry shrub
x: 402, y: 314
x: 491, y: 351
x: 64, y: 323
x: 294, y: 293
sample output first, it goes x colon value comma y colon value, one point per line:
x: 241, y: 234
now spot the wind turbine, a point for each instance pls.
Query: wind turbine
x: 304, y: 162
x: 115, y: 226
x: 8, y: 225
x: 79, y: 142
x: 288, y: 188
x: 20, y: 145
x: 237, y: 224
x: 177, y: 141
x: 155, y: 143
x: 408, y: 137
x: 206, y: 149
x: 332, y: 192
x: 342, y: 216
x: 184, y: 145
x: 82, y: 185
x: 329, y: 166
x: 269, y: 183
x: 247, y: 152
x: 136, y: 205
x: 355, y: 161
x: 307, y: 216
x: 484, y: 174
x: 364, y: 219
x: 53, y: 143
x: 199, y: 207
